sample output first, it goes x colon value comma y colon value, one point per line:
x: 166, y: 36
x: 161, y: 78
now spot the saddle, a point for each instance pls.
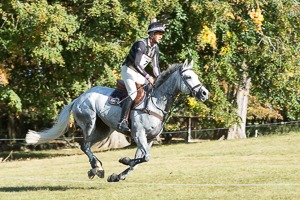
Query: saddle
x: 121, y: 93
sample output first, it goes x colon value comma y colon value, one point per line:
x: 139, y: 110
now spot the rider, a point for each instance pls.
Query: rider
x: 140, y: 55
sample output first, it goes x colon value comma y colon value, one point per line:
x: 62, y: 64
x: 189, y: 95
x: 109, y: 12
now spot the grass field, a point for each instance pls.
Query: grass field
x: 255, y: 168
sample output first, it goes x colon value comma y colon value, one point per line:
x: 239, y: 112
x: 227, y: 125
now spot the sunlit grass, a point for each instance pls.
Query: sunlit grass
x: 255, y: 168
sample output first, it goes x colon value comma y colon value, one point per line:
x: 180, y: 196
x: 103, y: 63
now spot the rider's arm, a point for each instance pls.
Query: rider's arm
x: 140, y: 49
x: 156, y: 69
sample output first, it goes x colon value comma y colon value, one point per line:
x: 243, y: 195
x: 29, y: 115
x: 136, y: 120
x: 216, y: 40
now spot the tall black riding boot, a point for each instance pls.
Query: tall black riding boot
x: 123, y: 124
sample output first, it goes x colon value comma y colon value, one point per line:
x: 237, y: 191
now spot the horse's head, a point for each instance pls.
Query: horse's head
x: 190, y: 83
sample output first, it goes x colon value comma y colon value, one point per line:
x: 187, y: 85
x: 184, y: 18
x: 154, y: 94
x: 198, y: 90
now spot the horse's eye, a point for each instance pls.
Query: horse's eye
x: 188, y: 77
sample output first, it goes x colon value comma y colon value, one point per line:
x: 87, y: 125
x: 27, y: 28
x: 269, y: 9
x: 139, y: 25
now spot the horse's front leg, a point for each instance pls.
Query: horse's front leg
x: 132, y: 163
x: 142, y: 155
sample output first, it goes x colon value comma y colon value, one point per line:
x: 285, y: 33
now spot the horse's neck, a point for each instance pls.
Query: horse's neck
x: 165, y: 95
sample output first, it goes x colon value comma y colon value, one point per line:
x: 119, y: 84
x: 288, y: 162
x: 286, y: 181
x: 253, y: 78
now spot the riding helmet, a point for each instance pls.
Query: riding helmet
x: 156, y: 27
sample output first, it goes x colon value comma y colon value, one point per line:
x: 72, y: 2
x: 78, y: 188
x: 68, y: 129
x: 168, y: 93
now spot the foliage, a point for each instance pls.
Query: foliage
x: 10, y: 102
x: 229, y: 38
x: 3, y: 76
x: 52, y: 51
x: 262, y: 112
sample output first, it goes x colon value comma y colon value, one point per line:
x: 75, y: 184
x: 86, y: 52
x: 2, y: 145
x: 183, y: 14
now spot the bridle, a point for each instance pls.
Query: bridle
x: 192, y: 89
x: 192, y: 93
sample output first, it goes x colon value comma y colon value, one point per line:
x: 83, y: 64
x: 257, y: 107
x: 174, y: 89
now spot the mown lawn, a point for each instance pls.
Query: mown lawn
x: 256, y: 168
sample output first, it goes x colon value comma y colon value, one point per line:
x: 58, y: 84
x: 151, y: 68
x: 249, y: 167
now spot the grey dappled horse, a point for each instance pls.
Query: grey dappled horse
x: 98, y: 118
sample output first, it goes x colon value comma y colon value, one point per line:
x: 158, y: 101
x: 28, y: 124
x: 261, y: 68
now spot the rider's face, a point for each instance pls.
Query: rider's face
x: 157, y: 36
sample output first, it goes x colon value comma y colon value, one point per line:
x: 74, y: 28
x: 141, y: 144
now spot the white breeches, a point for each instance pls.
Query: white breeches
x: 130, y: 77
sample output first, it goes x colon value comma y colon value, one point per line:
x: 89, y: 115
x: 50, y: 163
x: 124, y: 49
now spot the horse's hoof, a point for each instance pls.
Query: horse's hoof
x: 125, y: 160
x: 100, y: 173
x: 91, y: 174
x: 113, y: 178
x: 95, y: 171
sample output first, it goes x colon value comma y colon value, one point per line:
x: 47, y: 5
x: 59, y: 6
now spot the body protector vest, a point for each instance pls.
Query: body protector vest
x: 140, y: 55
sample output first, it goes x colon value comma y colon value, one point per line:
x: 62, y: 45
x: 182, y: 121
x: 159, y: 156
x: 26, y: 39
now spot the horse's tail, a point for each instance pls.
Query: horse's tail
x: 61, y: 126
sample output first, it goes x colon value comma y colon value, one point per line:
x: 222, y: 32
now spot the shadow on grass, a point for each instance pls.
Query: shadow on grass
x: 46, y: 188
x: 51, y: 153
x: 30, y: 155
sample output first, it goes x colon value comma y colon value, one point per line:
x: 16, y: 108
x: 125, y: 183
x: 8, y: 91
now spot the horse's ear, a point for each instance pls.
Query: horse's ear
x: 191, y: 64
x: 185, y: 64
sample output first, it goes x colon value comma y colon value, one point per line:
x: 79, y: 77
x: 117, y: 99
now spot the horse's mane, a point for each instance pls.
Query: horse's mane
x: 165, y: 74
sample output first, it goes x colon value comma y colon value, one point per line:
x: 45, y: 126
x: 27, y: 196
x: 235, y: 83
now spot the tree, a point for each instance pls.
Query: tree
x: 52, y: 51
x: 243, y: 47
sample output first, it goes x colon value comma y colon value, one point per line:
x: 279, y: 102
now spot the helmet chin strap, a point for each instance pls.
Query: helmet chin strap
x: 151, y: 35
x: 152, y: 41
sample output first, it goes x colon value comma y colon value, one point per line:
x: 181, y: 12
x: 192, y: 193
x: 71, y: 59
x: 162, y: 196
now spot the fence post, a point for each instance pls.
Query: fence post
x: 189, y: 131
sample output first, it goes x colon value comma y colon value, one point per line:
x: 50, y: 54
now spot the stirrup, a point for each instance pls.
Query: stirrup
x: 123, y: 125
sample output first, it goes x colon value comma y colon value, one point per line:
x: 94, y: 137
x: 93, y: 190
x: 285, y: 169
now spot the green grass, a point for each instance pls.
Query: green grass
x: 255, y: 168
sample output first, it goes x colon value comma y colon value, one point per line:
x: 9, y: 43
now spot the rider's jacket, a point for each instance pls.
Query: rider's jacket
x: 140, y: 55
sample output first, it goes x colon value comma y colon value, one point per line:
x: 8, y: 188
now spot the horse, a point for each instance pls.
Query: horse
x: 98, y: 118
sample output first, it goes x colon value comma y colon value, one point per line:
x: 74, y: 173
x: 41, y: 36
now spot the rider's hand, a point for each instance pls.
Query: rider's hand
x: 151, y: 80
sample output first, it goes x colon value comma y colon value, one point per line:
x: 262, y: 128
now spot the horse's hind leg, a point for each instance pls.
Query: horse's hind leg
x: 96, y: 164
x: 88, y: 126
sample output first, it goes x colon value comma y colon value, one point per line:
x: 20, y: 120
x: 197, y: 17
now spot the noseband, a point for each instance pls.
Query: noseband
x: 192, y: 89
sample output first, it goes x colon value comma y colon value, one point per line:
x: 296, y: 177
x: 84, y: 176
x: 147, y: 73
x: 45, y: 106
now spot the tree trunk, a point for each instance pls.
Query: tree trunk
x: 11, y: 127
x: 242, y: 95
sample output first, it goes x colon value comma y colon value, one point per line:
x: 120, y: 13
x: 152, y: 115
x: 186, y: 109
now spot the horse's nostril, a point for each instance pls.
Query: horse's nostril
x: 204, y: 93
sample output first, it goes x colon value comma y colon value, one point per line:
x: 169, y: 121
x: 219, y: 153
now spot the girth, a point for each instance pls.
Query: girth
x: 145, y: 110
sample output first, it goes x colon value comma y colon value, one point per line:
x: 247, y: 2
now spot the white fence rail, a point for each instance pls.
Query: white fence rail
x: 253, y: 130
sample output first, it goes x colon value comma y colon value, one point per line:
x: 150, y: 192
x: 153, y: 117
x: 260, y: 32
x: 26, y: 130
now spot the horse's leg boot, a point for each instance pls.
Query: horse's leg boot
x: 123, y: 124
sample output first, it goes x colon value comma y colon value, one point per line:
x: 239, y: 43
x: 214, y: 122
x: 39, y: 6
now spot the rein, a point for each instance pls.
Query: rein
x: 165, y: 113
x: 146, y: 110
